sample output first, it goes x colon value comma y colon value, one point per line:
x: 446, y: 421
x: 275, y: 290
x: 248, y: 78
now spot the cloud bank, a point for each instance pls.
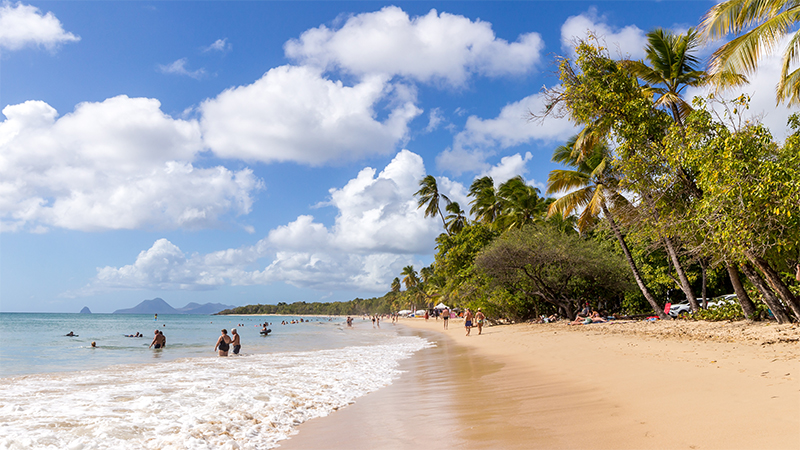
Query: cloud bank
x: 377, y: 231
x: 444, y: 47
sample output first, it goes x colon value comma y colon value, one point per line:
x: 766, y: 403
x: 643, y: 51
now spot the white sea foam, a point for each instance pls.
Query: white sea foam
x: 248, y: 402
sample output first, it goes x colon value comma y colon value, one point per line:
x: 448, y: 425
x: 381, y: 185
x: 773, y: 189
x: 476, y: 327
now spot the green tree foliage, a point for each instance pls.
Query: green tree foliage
x: 561, y: 269
x: 761, y: 25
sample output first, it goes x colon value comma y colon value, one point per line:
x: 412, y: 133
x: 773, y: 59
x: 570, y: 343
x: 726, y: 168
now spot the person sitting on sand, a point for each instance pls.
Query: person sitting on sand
x: 235, y: 342
x: 594, y: 317
x: 223, y: 343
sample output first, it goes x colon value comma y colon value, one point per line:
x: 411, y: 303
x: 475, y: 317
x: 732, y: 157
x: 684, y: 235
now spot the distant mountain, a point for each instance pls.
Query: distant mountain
x: 86, y: 310
x: 208, y: 308
x: 159, y: 306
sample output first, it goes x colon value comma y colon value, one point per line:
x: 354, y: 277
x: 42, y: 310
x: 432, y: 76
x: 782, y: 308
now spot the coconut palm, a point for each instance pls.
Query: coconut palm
x: 396, y: 284
x: 456, y: 220
x: 591, y: 185
x: 672, y: 67
x: 429, y: 197
x: 521, y: 204
x: 410, y: 278
x: 485, y: 203
x: 767, y: 23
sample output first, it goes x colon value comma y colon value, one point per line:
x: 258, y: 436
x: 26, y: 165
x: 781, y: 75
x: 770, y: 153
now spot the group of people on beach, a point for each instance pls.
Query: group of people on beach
x: 225, y: 342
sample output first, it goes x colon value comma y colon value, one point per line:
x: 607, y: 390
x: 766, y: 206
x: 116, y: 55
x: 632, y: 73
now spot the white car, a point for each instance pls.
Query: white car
x: 684, y: 307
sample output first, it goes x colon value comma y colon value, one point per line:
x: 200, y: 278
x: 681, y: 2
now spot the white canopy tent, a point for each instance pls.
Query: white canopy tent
x: 441, y: 306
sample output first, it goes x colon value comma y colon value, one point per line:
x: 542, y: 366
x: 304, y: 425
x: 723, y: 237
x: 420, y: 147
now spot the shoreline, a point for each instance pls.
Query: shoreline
x: 654, y: 385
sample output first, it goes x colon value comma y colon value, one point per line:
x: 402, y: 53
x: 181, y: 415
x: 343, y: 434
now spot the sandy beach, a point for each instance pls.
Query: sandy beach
x: 642, y: 385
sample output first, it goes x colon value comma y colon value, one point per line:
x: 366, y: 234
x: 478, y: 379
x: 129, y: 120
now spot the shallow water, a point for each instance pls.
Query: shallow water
x: 180, y: 401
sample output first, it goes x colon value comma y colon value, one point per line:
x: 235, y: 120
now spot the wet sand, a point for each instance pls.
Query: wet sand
x: 550, y: 386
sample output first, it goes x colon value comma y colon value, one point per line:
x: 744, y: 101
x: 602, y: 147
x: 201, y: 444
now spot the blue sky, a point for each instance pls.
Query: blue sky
x: 257, y: 152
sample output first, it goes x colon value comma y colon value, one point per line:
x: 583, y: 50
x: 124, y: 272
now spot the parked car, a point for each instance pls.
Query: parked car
x: 683, y: 307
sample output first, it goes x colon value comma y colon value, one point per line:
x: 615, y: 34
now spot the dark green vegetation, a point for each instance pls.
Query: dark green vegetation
x: 662, y: 200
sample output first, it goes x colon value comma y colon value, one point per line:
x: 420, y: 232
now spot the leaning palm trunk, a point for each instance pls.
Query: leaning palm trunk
x: 769, y: 297
x: 775, y: 281
x: 747, y: 305
x: 636, y: 274
x: 684, y: 280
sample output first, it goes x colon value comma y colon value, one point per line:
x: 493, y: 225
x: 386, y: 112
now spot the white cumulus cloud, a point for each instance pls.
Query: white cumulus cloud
x: 626, y: 42
x: 377, y: 231
x: 117, y: 164
x: 513, y: 126
x: 436, y: 47
x: 24, y: 25
x: 294, y: 114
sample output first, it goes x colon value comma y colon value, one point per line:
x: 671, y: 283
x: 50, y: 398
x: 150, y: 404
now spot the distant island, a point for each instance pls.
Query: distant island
x: 159, y: 306
x: 86, y: 310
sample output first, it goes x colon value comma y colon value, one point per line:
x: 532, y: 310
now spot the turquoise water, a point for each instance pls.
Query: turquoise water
x: 36, y: 343
x: 57, y: 392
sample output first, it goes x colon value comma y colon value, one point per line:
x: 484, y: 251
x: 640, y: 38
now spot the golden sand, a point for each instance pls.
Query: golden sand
x: 640, y: 385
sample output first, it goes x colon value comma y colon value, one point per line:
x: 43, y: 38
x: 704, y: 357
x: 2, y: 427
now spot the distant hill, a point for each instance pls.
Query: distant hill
x: 86, y: 310
x: 159, y: 306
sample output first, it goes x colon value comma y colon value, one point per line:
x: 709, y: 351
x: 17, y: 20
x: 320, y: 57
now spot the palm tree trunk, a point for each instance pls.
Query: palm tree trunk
x: 775, y: 281
x: 703, y: 267
x: 444, y: 224
x: 684, y: 280
x: 747, y: 305
x: 636, y: 274
x: 769, y: 297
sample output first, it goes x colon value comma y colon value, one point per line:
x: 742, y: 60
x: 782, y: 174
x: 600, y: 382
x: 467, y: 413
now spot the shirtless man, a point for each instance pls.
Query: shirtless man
x: 235, y: 342
x: 468, y: 321
x: 445, y: 317
x: 223, y: 343
x: 156, y: 340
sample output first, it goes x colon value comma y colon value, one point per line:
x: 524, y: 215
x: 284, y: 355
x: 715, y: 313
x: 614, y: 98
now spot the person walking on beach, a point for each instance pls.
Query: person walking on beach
x: 479, y: 318
x: 468, y: 320
x: 236, y: 342
x: 445, y: 317
x: 223, y: 343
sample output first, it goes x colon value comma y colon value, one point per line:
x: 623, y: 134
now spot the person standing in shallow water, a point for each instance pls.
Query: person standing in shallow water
x: 223, y: 343
x: 158, y: 340
x: 235, y: 341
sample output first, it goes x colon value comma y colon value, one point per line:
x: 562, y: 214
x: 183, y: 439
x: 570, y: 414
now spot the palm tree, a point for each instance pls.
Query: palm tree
x: 767, y: 22
x: 396, y: 285
x: 485, y: 204
x: 410, y: 278
x: 591, y: 185
x: 429, y: 197
x: 521, y: 204
x: 456, y: 220
x: 672, y: 68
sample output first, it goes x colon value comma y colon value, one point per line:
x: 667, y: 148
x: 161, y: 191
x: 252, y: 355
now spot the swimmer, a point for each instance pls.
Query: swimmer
x: 223, y: 343
x: 94, y: 344
x: 235, y: 342
x: 156, y: 340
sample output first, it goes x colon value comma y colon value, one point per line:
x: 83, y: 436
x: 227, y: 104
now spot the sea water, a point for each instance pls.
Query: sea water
x: 59, y: 392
